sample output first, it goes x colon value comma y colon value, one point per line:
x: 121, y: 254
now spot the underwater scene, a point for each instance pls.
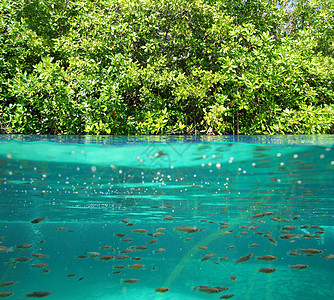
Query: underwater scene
x: 230, y: 217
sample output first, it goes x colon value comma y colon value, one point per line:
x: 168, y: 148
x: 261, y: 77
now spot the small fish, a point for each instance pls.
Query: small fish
x: 254, y: 245
x: 81, y: 256
x: 141, y: 248
x: 119, y: 267
x: 311, y: 251
x: 128, y: 250
x: 253, y: 227
x: 45, y: 271
x: 168, y: 218
x: 106, y: 257
x: 189, y: 229
x: 136, y: 266
x: 139, y: 230
x: 161, y: 229
x: 127, y: 240
x: 233, y: 278
x: 244, y: 258
x: 93, y: 254
x: 308, y: 236
x: 60, y: 228
x: 119, y: 234
x: 129, y: 224
x: 288, y: 236
x: 230, y: 247
x: 227, y: 296
x: 125, y: 220
x: 22, y: 259
x: 291, y: 227
x: 116, y: 272
x: 81, y: 278
x: 136, y: 258
x: 244, y: 233
x: 305, y: 226
x: 38, y: 220
x: 39, y: 265
x: 294, y: 253
x: 39, y: 294
x: 162, y: 290
x: 160, y: 250
x: 266, y: 258
x: 24, y: 246
x: 267, y: 270
x: 121, y: 257
x: 71, y: 275
x: 207, y: 257
x: 5, y: 294
x: 105, y: 247
x: 209, y: 289
x: 39, y: 255
x: 299, y: 266
x: 330, y: 256
x: 156, y: 234
x: 152, y: 242
x: 224, y: 258
x: 260, y: 215
x: 202, y: 247
x: 6, y: 249
x: 130, y: 280
x: 271, y: 240
x: 8, y: 283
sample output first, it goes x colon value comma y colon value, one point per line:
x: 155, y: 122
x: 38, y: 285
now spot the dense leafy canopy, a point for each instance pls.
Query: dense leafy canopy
x: 167, y: 66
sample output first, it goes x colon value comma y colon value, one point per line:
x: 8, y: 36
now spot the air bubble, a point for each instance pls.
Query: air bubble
x: 93, y: 168
x: 322, y: 156
x: 295, y: 156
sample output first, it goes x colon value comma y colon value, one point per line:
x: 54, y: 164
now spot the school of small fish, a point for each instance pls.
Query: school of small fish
x: 285, y: 236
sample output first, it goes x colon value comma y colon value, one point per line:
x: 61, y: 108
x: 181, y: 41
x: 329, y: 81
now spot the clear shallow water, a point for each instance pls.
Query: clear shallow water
x: 89, y: 184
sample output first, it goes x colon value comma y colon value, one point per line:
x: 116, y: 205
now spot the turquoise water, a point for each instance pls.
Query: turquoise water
x: 85, y: 186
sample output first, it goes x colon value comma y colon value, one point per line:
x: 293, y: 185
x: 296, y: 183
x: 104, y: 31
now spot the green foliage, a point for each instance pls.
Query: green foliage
x: 166, y: 67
